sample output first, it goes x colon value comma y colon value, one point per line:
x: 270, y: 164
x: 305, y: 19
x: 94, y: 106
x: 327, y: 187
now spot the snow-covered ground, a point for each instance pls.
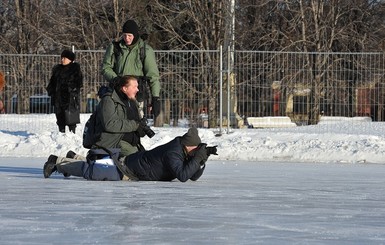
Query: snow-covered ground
x: 318, y: 184
x: 343, y: 140
x: 234, y: 202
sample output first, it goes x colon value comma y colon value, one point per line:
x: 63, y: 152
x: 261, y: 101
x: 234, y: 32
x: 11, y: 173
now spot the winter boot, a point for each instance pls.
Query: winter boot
x: 71, y: 154
x: 50, y: 166
x: 66, y: 175
x: 72, y: 128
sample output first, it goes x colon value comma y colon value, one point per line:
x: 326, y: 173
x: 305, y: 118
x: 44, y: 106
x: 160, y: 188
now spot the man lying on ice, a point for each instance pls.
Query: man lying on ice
x: 182, y: 158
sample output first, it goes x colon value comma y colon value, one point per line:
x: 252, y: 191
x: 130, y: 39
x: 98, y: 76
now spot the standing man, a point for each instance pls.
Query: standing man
x: 131, y: 55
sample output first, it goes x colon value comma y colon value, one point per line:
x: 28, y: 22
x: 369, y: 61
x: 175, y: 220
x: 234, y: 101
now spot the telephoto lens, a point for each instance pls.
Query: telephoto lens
x: 211, y: 150
x: 148, y: 131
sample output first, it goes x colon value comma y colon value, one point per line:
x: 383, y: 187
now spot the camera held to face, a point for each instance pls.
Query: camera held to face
x: 211, y: 150
x: 146, y: 129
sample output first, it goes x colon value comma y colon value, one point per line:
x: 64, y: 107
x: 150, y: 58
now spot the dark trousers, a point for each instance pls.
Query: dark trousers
x: 61, y: 120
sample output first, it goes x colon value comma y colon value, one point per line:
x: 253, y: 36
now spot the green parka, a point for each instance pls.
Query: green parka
x: 129, y: 63
x: 113, y: 121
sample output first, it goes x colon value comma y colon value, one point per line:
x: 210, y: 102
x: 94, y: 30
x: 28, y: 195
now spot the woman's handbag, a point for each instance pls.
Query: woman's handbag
x: 72, y: 113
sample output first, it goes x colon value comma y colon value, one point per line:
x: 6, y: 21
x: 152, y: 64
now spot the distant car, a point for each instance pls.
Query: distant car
x: 40, y: 103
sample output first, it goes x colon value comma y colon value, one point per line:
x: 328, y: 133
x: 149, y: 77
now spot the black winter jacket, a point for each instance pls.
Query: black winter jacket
x: 165, y: 163
x: 66, y: 81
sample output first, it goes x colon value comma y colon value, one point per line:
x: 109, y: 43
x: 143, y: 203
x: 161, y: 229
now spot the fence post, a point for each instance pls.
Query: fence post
x: 228, y: 88
x: 220, y: 90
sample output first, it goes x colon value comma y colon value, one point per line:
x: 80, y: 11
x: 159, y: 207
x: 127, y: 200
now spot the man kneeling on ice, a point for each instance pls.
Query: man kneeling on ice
x: 183, y: 158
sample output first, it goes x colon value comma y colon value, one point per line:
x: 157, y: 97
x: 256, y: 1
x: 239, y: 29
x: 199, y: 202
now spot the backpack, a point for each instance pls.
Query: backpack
x: 101, y: 165
x: 90, y: 136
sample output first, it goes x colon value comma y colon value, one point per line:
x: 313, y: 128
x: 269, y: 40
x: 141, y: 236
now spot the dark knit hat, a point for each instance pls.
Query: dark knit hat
x: 130, y: 26
x: 68, y: 54
x: 191, y: 138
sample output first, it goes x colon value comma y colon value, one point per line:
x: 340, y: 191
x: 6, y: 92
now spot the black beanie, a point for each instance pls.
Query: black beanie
x: 130, y: 26
x: 68, y: 54
x: 191, y: 138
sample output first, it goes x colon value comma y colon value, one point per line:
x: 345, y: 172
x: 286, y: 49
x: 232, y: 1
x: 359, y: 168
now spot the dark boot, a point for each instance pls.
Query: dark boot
x: 70, y: 154
x: 50, y: 166
x: 72, y: 128
x: 62, y: 129
x: 66, y: 175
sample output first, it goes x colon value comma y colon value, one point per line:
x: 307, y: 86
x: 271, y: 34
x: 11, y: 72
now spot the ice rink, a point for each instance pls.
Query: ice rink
x: 233, y: 203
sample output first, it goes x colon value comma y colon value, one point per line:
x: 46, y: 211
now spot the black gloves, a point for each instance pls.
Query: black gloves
x: 155, y: 103
x: 201, y: 154
x: 140, y: 130
x: 144, y: 129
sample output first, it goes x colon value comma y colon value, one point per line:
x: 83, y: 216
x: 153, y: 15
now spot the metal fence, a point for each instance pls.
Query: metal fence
x: 305, y: 86
x: 216, y: 88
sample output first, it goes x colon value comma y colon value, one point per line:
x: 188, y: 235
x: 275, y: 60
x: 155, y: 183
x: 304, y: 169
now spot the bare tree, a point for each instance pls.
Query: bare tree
x: 191, y: 25
x: 316, y: 28
x: 46, y: 26
x: 313, y: 27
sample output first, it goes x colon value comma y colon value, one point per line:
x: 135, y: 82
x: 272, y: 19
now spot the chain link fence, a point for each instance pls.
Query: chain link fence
x: 199, y: 89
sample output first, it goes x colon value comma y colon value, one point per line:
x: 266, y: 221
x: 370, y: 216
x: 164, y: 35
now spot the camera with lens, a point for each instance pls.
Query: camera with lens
x: 146, y: 129
x: 211, y: 150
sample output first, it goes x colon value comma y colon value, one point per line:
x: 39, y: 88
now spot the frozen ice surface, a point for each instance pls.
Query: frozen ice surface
x: 233, y: 203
